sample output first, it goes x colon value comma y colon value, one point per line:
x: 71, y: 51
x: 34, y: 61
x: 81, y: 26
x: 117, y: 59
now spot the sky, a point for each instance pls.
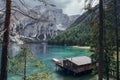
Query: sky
x: 72, y: 7
x: 69, y: 7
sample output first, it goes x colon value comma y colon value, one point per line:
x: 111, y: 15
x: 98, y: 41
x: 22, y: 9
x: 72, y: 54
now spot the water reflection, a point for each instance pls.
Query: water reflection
x: 39, y: 49
x: 14, y: 49
x: 36, y: 48
x: 45, y: 53
x: 44, y: 48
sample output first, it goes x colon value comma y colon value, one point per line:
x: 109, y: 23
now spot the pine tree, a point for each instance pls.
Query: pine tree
x: 5, y: 44
x: 116, y: 33
x: 101, y: 41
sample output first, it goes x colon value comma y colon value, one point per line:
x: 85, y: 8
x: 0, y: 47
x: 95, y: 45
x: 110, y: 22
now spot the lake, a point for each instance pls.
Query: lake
x: 45, y: 53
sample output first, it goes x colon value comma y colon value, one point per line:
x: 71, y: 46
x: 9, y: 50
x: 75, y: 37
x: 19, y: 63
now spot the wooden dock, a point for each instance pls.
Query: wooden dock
x: 75, y: 64
x: 58, y: 62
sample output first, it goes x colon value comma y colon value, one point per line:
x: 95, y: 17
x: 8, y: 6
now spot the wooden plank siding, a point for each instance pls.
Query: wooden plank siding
x: 75, y: 68
x: 73, y: 64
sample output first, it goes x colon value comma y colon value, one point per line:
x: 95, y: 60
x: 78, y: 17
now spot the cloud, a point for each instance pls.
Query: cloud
x: 70, y: 7
x: 60, y: 3
x: 74, y: 7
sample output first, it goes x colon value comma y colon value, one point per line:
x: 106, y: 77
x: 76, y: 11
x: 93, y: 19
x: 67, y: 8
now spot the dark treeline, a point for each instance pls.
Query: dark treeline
x: 77, y: 35
x: 101, y: 32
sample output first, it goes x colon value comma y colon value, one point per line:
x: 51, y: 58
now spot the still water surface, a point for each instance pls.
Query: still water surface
x: 46, y: 52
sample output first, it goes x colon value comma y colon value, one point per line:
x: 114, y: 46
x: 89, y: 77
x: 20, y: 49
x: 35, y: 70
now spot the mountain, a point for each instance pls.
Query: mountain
x: 79, y: 33
x: 55, y: 22
x: 75, y: 35
x: 85, y: 27
x: 37, y: 22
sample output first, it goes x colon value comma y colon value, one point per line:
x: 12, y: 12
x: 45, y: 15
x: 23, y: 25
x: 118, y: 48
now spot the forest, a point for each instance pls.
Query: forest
x: 98, y: 27
x: 76, y: 35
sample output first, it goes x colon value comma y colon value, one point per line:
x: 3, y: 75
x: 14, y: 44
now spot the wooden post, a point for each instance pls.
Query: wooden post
x: 74, y: 74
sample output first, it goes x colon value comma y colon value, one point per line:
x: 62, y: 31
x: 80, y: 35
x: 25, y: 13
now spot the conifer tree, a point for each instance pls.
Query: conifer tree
x: 116, y: 33
x: 5, y: 44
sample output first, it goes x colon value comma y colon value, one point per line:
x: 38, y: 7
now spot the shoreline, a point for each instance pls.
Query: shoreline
x: 82, y: 47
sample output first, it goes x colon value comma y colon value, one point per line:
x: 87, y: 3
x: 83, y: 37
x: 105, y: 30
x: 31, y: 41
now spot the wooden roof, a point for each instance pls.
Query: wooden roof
x: 81, y: 60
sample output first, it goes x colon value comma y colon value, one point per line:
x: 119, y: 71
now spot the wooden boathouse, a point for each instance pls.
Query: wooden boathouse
x: 75, y: 64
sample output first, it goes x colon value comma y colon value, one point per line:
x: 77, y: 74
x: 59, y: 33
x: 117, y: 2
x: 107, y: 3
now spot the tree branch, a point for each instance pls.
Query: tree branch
x: 36, y: 19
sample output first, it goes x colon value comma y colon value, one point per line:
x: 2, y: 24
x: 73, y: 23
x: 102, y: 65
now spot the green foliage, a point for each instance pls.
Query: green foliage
x: 109, y: 39
x: 39, y: 64
x: 39, y: 76
x: 17, y: 65
x: 75, y: 35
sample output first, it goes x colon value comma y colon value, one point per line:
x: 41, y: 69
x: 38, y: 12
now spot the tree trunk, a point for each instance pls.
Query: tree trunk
x: 101, y: 41
x: 116, y: 31
x: 4, y: 56
x: 25, y: 61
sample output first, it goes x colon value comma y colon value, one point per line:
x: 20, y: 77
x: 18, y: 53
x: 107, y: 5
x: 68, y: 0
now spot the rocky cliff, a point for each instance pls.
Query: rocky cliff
x: 38, y: 22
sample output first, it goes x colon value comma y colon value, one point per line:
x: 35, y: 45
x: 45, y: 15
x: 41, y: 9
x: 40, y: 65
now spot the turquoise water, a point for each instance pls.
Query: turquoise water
x: 45, y: 53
